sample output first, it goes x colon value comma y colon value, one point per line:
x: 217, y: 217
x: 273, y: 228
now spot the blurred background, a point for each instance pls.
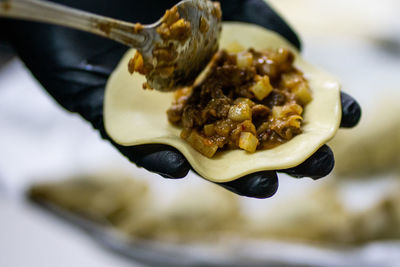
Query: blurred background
x: 104, y: 203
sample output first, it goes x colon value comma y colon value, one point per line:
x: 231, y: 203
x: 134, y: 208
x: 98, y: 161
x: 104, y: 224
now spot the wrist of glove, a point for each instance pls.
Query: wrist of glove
x: 74, y: 67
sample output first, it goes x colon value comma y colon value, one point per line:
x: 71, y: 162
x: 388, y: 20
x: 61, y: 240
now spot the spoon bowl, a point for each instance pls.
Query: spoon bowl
x: 187, y: 56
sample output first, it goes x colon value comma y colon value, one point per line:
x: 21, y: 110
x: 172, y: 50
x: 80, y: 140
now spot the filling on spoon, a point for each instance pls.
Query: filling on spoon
x: 249, y: 100
x: 172, y: 28
x: 174, y: 31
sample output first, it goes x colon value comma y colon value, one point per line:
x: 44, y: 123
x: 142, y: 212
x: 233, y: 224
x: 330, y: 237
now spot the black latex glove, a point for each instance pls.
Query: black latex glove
x: 74, y: 66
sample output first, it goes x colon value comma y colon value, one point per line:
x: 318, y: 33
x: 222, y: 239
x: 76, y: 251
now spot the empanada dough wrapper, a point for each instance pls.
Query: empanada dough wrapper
x: 134, y: 116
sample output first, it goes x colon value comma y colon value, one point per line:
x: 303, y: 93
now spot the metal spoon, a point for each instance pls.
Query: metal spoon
x: 189, y: 56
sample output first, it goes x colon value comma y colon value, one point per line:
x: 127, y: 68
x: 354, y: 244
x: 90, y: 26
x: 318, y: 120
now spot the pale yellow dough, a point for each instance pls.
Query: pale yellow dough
x: 135, y: 116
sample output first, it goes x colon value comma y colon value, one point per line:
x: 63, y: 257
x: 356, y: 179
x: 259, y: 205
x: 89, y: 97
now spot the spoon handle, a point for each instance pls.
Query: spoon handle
x: 43, y: 11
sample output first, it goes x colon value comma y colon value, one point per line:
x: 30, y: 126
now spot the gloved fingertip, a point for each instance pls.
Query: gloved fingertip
x: 169, y: 164
x: 319, y: 165
x: 351, y: 111
x: 160, y: 159
x: 256, y: 185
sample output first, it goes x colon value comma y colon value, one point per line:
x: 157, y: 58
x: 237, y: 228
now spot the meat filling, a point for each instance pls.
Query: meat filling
x: 249, y: 100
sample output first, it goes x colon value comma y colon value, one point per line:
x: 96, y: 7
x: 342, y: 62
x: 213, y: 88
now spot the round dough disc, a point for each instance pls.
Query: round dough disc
x: 134, y: 116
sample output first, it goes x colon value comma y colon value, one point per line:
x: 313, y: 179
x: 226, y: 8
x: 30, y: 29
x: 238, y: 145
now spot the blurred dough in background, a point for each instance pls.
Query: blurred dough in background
x: 102, y: 197
x: 206, y: 213
x: 196, y: 213
x: 321, y: 218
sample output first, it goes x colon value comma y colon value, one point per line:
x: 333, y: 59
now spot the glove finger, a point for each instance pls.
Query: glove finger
x: 351, y: 111
x: 161, y: 159
x: 317, y: 166
x: 255, y: 185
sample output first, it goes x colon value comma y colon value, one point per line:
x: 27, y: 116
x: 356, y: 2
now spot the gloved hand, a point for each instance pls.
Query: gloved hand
x: 74, y: 67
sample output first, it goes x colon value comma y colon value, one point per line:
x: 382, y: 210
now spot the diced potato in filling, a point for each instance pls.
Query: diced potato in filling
x: 240, y: 112
x: 261, y: 88
x: 244, y: 59
x: 244, y: 100
x: 248, y: 142
x: 202, y: 144
x: 302, y: 93
x: 209, y: 129
x: 248, y: 100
